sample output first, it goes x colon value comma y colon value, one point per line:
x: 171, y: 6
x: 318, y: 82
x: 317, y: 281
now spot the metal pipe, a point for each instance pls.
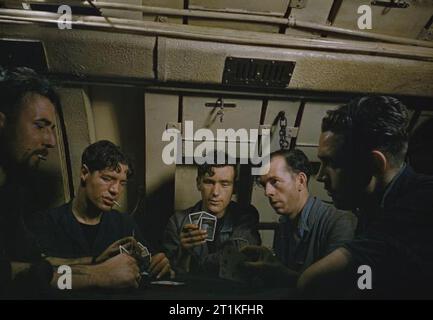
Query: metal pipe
x: 241, y: 11
x: 191, y: 13
x: 374, y: 36
x: 290, y: 22
x: 198, y: 33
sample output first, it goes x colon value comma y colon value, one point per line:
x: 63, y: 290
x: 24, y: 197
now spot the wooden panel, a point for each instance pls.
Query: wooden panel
x: 118, y: 116
x: 78, y: 118
x: 315, y: 187
x: 186, y: 193
x: 310, y: 128
x: 396, y: 22
x: 160, y: 109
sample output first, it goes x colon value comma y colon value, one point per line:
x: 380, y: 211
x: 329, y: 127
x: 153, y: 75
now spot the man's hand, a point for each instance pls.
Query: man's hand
x: 113, y: 249
x: 160, y: 266
x: 261, y: 263
x: 120, y: 271
x: 191, y: 236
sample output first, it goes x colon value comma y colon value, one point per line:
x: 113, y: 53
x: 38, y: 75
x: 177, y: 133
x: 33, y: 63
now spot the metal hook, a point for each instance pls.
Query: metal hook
x: 220, y: 113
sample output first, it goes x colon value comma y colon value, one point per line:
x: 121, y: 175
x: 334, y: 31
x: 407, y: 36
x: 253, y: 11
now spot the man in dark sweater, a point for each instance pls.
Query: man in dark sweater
x: 28, y: 105
x: 87, y: 225
x: 362, y: 149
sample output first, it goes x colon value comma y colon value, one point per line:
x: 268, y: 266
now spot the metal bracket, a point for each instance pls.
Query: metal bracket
x: 390, y: 4
x: 298, y: 4
x: 220, y: 104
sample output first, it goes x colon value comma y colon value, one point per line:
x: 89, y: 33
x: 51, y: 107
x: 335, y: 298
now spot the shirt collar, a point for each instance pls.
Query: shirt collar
x: 303, y: 223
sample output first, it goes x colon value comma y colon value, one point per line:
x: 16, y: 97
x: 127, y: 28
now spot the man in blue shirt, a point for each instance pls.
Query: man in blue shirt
x: 308, y: 230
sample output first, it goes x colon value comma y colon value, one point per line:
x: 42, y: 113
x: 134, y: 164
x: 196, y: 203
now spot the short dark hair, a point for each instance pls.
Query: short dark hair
x: 296, y: 161
x: 371, y: 122
x: 16, y: 83
x: 105, y: 154
x: 206, y: 168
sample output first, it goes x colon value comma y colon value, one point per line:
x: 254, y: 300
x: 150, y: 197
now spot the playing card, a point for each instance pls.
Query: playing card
x: 144, y: 258
x: 194, y: 218
x: 144, y: 251
x: 209, y: 225
x: 207, y: 215
x: 123, y: 250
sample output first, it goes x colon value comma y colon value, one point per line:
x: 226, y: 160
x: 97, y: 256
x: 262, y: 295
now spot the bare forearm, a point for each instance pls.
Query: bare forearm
x: 83, y: 276
x: 69, y: 262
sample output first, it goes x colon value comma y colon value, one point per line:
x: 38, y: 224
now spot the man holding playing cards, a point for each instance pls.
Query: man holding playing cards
x: 28, y: 107
x: 194, y: 238
x: 308, y: 230
x: 88, y: 225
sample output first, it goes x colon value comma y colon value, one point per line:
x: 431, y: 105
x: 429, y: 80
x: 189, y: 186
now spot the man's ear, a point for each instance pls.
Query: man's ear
x: 84, y: 173
x: 379, y: 162
x: 2, y: 121
x: 302, y: 180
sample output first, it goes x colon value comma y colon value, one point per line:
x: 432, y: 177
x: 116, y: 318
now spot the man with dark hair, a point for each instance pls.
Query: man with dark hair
x: 25, y: 96
x: 362, y: 149
x: 185, y: 244
x: 87, y: 225
x: 27, y: 121
x: 308, y: 229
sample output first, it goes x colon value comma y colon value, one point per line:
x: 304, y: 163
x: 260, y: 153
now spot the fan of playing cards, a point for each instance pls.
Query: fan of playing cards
x: 206, y: 222
x: 142, y: 254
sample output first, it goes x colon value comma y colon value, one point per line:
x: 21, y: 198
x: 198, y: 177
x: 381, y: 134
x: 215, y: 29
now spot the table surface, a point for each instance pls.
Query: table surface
x: 194, y: 288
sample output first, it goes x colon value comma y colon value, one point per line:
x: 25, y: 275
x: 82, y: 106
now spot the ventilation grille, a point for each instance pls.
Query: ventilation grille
x: 257, y: 72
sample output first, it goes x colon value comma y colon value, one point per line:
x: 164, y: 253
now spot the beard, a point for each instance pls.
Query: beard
x: 16, y: 163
